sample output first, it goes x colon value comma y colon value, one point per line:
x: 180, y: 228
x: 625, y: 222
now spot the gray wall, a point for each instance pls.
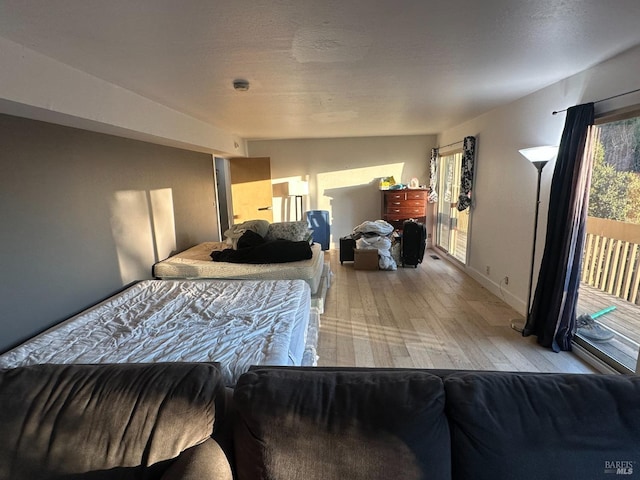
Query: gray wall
x: 83, y: 214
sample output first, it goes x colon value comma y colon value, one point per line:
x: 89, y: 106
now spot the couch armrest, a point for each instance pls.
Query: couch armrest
x: 103, y: 420
x: 202, y: 462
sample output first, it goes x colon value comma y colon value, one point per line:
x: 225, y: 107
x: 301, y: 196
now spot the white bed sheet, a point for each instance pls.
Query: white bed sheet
x: 236, y: 323
x: 196, y: 262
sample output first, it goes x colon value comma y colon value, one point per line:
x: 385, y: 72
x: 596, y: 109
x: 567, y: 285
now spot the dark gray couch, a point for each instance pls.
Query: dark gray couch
x: 177, y: 421
x: 110, y: 422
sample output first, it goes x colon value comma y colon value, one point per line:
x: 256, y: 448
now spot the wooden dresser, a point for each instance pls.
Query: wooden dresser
x: 401, y: 205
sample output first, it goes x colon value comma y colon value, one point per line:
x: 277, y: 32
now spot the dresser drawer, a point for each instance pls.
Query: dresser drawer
x: 395, y: 217
x: 416, y: 195
x: 406, y: 211
x: 407, y: 204
x: 401, y: 205
x: 394, y: 203
x: 394, y: 196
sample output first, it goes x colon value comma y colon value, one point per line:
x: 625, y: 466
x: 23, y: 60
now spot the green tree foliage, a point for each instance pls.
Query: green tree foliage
x: 633, y: 199
x: 609, y: 187
x: 615, y: 182
x: 621, y: 141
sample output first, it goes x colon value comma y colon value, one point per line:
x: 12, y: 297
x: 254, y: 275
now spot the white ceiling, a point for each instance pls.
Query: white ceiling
x: 326, y: 68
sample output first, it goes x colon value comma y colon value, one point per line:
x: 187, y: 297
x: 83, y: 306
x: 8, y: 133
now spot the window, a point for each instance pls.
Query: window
x: 609, y: 298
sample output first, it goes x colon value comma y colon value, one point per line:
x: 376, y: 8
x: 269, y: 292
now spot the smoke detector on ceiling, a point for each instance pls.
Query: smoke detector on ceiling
x: 241, y: 85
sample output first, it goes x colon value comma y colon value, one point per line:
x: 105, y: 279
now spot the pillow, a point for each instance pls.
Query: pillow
x: 259, y: 226
x: 309, y: 237
x: 233, y: 233
x: 294, y: 231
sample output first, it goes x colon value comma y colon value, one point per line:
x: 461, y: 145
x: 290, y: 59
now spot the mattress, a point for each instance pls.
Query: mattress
x: 236, y: 323
x: 195, y: 262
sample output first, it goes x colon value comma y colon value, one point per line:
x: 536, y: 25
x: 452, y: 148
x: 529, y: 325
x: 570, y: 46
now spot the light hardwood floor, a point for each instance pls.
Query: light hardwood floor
x: 433, y: 316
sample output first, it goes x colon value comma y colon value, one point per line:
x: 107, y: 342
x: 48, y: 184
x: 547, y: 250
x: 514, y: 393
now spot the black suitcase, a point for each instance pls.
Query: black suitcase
x: 414, y: 240
x: 347, y: 246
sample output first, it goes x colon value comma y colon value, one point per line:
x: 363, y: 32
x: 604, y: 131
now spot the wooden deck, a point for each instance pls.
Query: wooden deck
x: 461, y: 247
x: 457, y: 245
x: 624, y: 321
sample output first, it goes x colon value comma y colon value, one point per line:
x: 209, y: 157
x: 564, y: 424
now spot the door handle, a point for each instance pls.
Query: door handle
x: 264, y: 208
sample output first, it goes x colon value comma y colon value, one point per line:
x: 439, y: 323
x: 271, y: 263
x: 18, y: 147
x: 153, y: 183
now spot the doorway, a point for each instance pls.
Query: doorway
x: 251, y: 189
x: 452, y: 226
x: 244, y: 190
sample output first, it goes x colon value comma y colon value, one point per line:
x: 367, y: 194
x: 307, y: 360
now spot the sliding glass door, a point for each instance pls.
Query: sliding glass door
x: 608, y: 322
x: 452, y: 226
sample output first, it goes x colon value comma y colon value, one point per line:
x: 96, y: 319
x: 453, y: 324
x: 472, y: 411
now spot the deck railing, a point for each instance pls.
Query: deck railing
x: 612, y: 258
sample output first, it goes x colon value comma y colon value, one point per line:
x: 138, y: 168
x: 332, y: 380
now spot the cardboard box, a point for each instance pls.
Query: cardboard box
x: 365, y: 259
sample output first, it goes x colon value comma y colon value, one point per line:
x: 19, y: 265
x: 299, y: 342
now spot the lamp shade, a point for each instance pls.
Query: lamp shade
x: 298, y: 188
x: 545, y: 153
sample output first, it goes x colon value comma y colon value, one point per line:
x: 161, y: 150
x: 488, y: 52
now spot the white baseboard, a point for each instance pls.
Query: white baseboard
x: 515, y: 302
x: 510, y: 299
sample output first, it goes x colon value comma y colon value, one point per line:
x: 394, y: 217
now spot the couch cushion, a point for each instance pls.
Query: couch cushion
x: 341, y: 424
x: 543, y: 426
x: 102, y: 421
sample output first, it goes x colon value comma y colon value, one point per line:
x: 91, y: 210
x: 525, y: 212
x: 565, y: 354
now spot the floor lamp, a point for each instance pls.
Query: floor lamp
x: 298, y: 189
x: 539, y: 157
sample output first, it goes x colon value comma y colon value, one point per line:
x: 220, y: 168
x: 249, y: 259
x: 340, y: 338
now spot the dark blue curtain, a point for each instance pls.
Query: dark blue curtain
x: 466, y: 173
x: 433, y: 176
x: 553, y: 312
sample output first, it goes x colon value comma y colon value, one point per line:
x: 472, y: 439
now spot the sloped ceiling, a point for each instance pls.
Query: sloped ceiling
x: 327, y: 68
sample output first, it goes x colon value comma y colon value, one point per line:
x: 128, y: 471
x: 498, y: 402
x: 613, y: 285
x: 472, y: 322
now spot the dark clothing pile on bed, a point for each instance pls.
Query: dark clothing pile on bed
x: 252, y: 248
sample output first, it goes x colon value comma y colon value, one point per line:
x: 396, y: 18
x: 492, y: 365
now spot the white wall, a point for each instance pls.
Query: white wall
x: 343, y: 173
x: 35, y: 86
x: 504, y: 194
